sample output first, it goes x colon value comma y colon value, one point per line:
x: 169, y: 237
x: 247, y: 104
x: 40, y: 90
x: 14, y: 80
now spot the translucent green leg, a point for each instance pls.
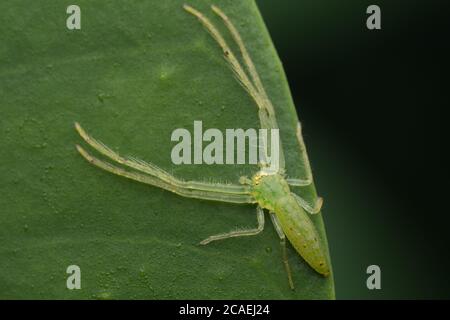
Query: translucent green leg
x: 252, y: 84
x: 240, y: 233
x: 150, y: 174
x: 280, y: 233
x: 154, y: 181
x: 298, y: 182
x: 160, y: 174
x: 308, y: 179
x: 314, y: 208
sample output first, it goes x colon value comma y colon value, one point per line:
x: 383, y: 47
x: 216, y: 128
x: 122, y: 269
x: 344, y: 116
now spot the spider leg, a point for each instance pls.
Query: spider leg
x: 157, y: 182
x: 282, y: 236
x: 254, y: 86
x: 242, y: 232
x: 312, y: 208
x: 156, y: 172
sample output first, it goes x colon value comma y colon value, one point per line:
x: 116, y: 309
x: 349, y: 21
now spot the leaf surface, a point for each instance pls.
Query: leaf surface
x: 130, y: 76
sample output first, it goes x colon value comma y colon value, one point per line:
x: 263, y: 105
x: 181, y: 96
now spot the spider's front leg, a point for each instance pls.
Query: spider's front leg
x: 149, y: 173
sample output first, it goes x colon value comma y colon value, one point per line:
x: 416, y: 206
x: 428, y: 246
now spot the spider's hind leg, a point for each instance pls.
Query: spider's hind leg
x: 280, y: 233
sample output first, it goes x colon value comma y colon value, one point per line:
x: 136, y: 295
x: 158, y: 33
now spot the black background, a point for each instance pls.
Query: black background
x: 371, y: 103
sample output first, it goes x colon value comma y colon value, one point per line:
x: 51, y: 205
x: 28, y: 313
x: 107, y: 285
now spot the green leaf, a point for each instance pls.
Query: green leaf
x: 133, y: 73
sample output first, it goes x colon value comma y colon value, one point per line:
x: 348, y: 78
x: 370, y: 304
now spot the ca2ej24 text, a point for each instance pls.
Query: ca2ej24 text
x: 226, y: 309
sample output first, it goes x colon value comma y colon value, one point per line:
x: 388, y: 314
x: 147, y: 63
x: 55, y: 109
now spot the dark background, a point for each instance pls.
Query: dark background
x: 371, y: 103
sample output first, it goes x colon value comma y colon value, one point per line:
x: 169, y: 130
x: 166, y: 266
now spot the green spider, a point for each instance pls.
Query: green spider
x: 267, y: 189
